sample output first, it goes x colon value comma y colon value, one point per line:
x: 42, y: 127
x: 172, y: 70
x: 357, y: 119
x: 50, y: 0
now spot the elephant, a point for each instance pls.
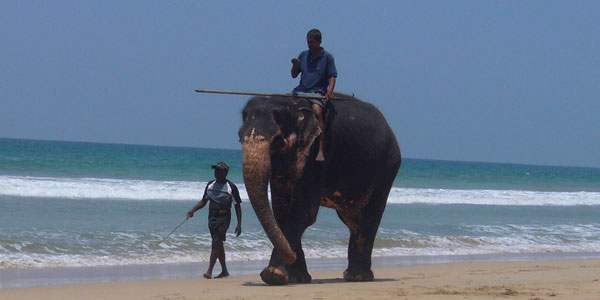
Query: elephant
x: 280, y: 140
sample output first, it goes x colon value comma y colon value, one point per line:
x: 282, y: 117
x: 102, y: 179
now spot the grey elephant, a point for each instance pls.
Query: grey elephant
x: 280, y: 139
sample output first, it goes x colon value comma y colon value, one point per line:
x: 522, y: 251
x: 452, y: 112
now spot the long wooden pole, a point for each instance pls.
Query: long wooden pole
x: 168, y: 235
x: 269, y: 94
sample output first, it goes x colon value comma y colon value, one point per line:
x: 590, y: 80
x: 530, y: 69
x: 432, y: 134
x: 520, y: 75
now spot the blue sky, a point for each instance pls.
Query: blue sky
x: 500, y: 81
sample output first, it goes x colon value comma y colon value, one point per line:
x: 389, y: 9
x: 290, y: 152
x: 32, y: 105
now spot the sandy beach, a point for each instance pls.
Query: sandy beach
x: 549, y: 279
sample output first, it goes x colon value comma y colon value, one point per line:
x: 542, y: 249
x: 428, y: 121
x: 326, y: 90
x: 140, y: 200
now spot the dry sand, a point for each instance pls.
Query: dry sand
x: 557, y: 279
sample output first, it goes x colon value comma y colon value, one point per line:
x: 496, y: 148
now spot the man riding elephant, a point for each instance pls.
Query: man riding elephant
x: 318, y: 77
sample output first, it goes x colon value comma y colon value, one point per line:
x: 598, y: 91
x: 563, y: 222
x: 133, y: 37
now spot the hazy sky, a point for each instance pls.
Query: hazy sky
x: 501, y: 81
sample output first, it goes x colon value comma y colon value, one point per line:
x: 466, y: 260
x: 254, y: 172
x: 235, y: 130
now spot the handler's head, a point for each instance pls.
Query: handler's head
x: 221, y: 170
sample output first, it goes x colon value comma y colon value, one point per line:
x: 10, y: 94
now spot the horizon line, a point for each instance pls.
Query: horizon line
x: 231, y: 149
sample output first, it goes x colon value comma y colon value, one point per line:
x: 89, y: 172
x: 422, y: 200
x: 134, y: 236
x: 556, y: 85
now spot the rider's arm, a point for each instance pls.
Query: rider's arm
x: 331, y: 87
x: 295, y: 67
x: 332, y: 74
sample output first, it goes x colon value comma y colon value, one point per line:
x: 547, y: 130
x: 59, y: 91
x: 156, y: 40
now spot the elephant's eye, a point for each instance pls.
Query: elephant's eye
x: 278, y: 117
x: 278, y: 143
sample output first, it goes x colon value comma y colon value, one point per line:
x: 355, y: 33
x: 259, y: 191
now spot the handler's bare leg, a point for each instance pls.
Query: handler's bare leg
x: 319, y: 114
x: 213, y: 257
x: 221, y: 256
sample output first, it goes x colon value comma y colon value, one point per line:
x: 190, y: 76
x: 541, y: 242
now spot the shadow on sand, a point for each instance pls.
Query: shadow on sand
x: 318, y: 281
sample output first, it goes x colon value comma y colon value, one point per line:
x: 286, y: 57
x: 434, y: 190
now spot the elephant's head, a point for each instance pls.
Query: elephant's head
x: 274, y: 129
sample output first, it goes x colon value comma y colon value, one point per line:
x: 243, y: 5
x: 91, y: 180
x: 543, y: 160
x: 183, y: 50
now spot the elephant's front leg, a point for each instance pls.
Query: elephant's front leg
x: 297, y: 218
x: 278, y: 273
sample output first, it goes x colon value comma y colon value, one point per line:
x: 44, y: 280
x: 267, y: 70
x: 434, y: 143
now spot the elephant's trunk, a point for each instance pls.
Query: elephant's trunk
x: 256, y: 165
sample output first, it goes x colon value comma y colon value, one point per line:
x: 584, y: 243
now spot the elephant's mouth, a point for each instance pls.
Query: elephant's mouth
x: 256, y: 166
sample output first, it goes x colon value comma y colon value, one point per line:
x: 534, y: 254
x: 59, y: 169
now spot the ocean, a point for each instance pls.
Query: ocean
x: 74, y: 204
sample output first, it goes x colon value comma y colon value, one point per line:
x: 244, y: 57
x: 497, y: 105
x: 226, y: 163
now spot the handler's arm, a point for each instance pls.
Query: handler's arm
x: 238, y: 209
x: 199, y: 205
x: 238, y: 212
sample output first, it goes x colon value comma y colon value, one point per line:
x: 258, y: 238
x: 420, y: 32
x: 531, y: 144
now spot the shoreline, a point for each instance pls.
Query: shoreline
x: 61, y: 276
x: 526, y: 280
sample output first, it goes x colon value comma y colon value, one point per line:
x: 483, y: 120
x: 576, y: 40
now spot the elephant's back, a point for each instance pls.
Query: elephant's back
x: 360, y: 142
x: 350, y: 121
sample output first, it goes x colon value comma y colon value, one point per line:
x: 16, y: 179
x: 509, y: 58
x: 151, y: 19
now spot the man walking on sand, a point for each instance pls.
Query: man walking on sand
x: 318, y: 77
x: 221, y: 193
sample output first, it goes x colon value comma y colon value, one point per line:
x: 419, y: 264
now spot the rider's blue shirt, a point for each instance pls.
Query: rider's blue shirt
x: 315, y: 73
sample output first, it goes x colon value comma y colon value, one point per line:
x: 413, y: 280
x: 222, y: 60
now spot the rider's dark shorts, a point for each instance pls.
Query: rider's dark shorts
x: 218, y: 222
x: 319, y: 102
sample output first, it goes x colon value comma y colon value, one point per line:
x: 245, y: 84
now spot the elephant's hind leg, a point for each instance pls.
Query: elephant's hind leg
x: 359, y: 255
x: 363, y: 227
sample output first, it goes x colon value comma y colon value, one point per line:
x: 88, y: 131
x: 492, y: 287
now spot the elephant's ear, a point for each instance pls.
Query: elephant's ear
x: 308, y: 129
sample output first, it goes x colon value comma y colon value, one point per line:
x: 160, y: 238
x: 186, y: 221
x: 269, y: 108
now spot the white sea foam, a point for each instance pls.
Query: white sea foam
x: 127, y: 248
x: 424, y: 246
x: 97, y: 188
x: 491, y: 197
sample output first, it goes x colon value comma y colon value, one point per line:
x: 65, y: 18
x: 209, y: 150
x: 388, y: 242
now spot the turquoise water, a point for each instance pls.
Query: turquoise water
x: 87, y: 204
x: 75, y: 159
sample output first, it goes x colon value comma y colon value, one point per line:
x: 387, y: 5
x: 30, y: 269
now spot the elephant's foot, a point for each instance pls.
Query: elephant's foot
x: 281, y: 276
x: 297, y: 276
x: 275, y: 276
x: 357, y: 275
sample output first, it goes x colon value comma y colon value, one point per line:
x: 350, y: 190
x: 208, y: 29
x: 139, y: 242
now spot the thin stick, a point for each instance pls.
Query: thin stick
x: 269, y: 94
x: 172, y: 231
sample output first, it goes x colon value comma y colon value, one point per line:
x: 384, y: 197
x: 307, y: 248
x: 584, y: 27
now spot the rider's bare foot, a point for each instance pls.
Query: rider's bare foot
x: 320, y: 157
x: 223, y: 275
x: 207, y: 276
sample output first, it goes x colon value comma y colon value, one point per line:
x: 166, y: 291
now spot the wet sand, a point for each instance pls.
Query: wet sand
x: 535, y: 279
x: 35, y: 277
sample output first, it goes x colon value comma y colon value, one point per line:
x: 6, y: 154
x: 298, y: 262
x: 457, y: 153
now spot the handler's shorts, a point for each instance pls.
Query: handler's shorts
x: 218, y: 222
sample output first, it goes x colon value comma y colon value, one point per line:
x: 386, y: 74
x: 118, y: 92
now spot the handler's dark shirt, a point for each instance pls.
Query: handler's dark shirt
x: 214, y: 205
x: 315, y: 73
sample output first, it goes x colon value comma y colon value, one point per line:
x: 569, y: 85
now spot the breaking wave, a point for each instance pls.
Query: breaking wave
x: 130, y: 189
x: 127, y: 248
